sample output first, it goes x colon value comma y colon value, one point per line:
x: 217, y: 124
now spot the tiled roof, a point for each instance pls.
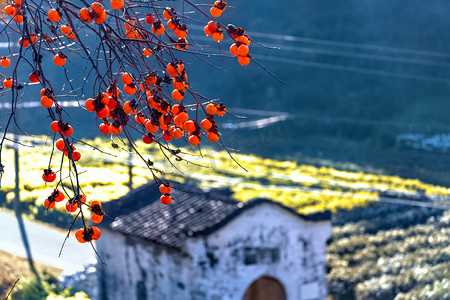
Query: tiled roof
x: 193, y: 212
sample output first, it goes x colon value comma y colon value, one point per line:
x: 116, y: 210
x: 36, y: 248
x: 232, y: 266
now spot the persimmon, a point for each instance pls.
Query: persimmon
x: 181, y: 31
x: 151, y: 79
x: 53, y: 15
x: 71, y: 206
x: 244, y: 60
x: 49, y: 203
x: 71, y: 36
x: 168, y: 13
x: 150, y: 127
x: 130, y: 89
x: 147, y: 52
x: 211, y: 109
x: 76, y: 155
x: 112, y: 103
x: 85, y: 15
x: 18, y: 18
x: 207, y: 31
x: 46, y: 101
x: 79, y: 235
x: 243, y: 50
x: 166, y: 199
x: 165, y: 188
x: 179, y: 84
x: 148, y: 138
x: 96, y: 233
x: 158, y: 28
x: 111, y: 91
x: 217, y: 36
x: 89, y: 104
x: 242, y: 39
x: 35, y: 76
x: 97, y: 8
x: 97, y: 213
x: 57, y: 195
x: 60, y: 144
x: 172, y: 70
x: 103, y: 112
x: 194, y: 140
x: 95, y: 205
x: 215, y: 12
x: 175, y: 110
x: 128, y: 108
x: 88, y: 234
x: 190, y: 126
x: 117, y: 4
x: 176, y: 132
x: 234, y: 49
x: 181, y: 118
x: 54, y: 126
x: 96, y: 218
x: 182, y: 44
x: 221, y: 110
x: 68, y: 131
x: 115, y: 128
x: 10, y: 10
x: 213, y: 137
x: 60, y: 59
x: 18, y: 2
x: 212, y: 26
x: 171, y: 25
x: 105, y: 128
x: 65, y: 29
x: 101, y: 18
x: 66, y: 150
x: 206, y: 124
x: 166, y: 135
x: 48, y: 175
x: 177, y: 95
x: 139, y: 118
x: 126, y: 78
x: 149, y: 19
x: 24, y: 42
x: 7, y: 82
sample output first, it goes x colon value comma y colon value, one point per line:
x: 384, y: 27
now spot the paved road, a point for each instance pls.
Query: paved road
x: 45, y: 243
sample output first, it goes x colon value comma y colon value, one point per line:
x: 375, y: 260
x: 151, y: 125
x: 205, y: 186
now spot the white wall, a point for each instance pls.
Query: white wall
x: 300, y: 269
x: 214, y: 268
x: 133, y: 264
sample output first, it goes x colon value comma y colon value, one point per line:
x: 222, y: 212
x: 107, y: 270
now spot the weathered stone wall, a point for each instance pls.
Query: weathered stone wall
x: 137, y: 269
x: 265, y: 240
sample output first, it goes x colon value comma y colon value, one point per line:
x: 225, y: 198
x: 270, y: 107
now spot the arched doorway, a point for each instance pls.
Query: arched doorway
x: 265, y: 288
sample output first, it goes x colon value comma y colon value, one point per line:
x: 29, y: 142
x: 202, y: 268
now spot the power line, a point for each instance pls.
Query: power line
x: 361, y: 55
x: 338, y: 67
x: 353, y: 69
x: 349, y: 44
x: 290, y: 38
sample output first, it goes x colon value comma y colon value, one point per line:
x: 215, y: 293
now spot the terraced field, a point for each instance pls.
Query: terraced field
x: 305, y: 188
x: 380, y: 248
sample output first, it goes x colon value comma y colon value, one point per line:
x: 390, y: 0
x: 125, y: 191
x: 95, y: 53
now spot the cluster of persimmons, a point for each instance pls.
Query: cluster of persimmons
x: 139, y: 85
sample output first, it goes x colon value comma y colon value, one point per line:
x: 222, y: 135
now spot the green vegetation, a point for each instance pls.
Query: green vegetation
x: 45, y: 288
x: 13, y: 267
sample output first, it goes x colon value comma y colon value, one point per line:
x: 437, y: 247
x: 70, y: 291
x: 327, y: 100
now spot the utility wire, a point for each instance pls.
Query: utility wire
x: 290, y: 38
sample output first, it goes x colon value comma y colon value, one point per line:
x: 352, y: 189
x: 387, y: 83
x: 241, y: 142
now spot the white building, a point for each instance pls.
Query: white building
x: 207, y: 246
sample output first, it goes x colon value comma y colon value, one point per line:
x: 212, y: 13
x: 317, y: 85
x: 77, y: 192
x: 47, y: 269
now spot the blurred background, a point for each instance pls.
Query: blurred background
x: 351, y: 116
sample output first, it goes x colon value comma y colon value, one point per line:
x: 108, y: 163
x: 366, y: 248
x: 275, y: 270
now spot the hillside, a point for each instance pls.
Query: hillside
x: 383, y: 225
